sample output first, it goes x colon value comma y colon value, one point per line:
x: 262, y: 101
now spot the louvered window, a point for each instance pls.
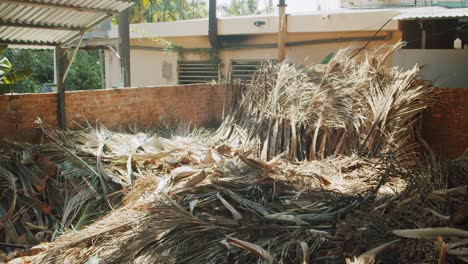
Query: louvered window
x: 243, y: 70
x: 191, y: 72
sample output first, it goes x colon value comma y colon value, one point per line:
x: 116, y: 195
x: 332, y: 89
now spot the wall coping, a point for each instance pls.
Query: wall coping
x: 117, y: 89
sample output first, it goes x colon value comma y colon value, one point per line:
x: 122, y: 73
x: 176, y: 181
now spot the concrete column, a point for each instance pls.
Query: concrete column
x: 282, y: 28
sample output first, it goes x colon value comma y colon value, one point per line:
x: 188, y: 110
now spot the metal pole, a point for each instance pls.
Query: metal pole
x: 282, y: 27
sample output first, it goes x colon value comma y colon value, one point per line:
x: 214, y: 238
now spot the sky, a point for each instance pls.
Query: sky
x: 297, y: 6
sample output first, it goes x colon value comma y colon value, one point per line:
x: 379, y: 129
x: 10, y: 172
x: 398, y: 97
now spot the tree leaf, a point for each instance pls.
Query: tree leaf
x: 16, y: 76
x: 5, y: 66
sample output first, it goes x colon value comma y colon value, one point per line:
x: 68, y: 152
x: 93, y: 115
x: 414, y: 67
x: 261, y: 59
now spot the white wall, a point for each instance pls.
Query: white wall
x: 447, y: 68
x: 325, y: 21
x: 112, y: 69
x: 153, y: 68
x: 148, y: 68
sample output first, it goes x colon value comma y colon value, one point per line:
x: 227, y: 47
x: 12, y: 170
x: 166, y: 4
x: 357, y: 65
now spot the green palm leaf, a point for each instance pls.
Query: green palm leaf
x: 5, y: 66
x: 16, y: 76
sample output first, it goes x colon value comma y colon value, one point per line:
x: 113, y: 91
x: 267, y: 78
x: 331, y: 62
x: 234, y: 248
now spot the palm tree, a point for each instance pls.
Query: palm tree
x: 196, y: 9
x: 240, y: 8
x: 137, y: 11
x: 166, y: 10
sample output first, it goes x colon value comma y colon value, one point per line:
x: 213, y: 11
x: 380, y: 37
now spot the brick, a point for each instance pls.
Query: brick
x: 445, y: 126
x: 116, y: 108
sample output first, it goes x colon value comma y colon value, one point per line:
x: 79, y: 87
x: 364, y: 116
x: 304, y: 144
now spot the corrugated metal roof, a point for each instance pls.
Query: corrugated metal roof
x: 52, y: 22
x: 431, y: 13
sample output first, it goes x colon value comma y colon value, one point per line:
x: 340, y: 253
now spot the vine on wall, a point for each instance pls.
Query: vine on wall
x: 209, y: 54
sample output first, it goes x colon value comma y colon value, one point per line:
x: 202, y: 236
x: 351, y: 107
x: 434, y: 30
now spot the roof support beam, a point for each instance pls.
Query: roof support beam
x: 124, y: 49
x: 70, y: 61
x: 4, y: 23
x: 36, y: 3
x: 60, y: 66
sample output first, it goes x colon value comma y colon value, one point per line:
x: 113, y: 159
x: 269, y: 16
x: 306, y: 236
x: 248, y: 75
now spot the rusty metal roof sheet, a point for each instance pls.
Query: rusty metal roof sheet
x: 52, y: 22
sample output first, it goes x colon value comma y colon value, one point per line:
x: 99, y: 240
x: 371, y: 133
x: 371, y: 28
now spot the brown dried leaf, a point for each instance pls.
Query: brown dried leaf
x: 224, y: 149
x: 196, y: 179
x: 208, y: 157
x: 256, y: 164
x: 182, y: 172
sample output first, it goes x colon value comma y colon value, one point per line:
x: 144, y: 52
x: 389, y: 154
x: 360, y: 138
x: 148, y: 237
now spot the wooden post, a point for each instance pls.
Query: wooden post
x: 102, y: 73
x: 60, y: 68
x: 213, y: 25
x: 282, y: 27
x: 124, y: 34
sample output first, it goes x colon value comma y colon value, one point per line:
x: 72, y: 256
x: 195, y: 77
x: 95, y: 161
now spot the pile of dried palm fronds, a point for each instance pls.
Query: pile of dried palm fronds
x: 221, y: 207
x: 75, y: 179
x: 190, y: 200
x: 347, y: 106
x: 251, y: 197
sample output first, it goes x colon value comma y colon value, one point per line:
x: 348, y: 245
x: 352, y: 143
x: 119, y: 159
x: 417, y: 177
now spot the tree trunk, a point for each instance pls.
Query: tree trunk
x: 181, y: 9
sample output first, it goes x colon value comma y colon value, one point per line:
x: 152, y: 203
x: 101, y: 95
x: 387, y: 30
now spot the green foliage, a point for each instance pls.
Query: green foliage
x: 40, y: 61
x: 83, y: 75
x: 8, y: 75
x: 169, y: 47
x: 166, y: 10
x: 147, y: 11
x: 5, y: 64
x: 240, y: 8
x: 208, y: 54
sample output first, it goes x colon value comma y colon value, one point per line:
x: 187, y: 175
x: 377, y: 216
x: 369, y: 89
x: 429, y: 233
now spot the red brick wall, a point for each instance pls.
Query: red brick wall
x: 445, y: 126
x: 115, y: 108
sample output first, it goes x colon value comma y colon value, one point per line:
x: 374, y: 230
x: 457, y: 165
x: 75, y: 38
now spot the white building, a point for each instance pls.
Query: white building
x: 179, y: 52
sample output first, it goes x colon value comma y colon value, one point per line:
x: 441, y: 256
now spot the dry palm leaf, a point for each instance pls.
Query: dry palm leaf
x: 257, y: 250
x: 431, y: 233
x: 349, y: 105
x: 370, y: 256
x: 235, y: 214
x: 305, y: 252
x: 182, y: 172
x: 196, y: 179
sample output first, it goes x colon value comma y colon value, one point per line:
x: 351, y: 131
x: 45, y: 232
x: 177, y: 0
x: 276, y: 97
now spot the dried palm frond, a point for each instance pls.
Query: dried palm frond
x: 190, y: 199
x: 347, y: 106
